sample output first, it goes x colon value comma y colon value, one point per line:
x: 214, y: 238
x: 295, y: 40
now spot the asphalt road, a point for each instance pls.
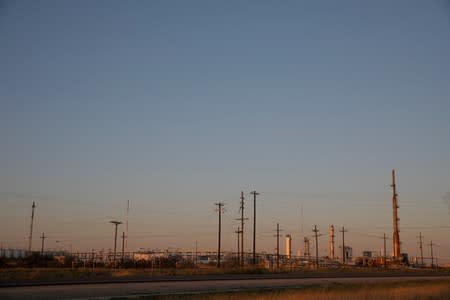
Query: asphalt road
x: 130, y: 289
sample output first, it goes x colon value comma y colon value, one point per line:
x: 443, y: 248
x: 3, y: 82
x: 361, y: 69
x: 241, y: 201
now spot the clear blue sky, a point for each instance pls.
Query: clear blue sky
x: 176, y: 105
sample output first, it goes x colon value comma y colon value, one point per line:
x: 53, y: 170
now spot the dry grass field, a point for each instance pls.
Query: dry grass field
x: 427, y: 290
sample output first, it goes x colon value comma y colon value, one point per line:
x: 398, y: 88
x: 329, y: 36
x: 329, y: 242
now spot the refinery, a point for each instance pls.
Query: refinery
x: 340, y: 252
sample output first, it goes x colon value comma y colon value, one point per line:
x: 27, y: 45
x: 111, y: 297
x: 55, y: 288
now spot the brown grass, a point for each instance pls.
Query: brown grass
x: 400, y: 291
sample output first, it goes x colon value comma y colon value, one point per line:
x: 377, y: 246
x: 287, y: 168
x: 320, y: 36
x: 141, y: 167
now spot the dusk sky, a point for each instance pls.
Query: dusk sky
x: 177, y: 105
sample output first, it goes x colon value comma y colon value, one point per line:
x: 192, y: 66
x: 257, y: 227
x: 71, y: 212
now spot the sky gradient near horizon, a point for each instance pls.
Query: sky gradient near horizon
x: 176, y: 105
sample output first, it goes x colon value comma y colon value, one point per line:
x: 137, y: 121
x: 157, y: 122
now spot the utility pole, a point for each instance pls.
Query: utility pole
x: 343, y: 230
x: 116, y: 223
x: 254, y: 193
x: 278, y: 245
x: 219, y: 210
x: 421, y: 249
x: 306, y: 253
x: 384, y: 250
x: 126, y: 225
x: 396, y: 236
x: 42, y: 246
x: 238, y: 232
x: 315, y: 230
x: 30, y: 237
x: 242, y: 219
x: 196, y: 252
x: 432, y: 257
x: 123, y: 246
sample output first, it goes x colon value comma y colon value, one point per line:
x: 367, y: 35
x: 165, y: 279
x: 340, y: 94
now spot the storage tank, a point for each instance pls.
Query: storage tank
x: 287, y: 247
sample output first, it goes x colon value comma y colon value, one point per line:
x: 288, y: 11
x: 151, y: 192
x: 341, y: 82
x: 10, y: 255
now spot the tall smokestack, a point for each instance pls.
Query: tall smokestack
x: 30, y: 237
x: 331, y: 242
x: 396, y: 237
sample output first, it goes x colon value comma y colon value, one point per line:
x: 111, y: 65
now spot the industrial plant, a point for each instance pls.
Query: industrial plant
x: 340, y: 253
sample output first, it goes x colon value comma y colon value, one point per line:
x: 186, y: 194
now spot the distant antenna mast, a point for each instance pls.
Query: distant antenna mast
x: 30, y: 238
x: 126, y: 225
x: 396, y: 236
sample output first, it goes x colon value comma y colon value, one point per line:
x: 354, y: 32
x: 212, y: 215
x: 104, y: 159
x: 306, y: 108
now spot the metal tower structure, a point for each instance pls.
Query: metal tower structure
x: 395, y: 219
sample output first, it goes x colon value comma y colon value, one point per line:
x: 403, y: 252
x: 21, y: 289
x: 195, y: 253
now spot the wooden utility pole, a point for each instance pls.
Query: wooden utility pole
x: 421, y: 248
x: 126, y: 225
x: 196, y: 253
x: 242, y: 219
x: 123, y: 246
x: 384, y: 250
x: 432, y: 256
x: 254, y: 193
x: 219, y: 210
x: 278, y: 245
x: 315, y: 230
x: 306, y: 251
x: 43, y: 237
x: 30, y: 237
x: 343, y: 230
x: 238, y: 233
